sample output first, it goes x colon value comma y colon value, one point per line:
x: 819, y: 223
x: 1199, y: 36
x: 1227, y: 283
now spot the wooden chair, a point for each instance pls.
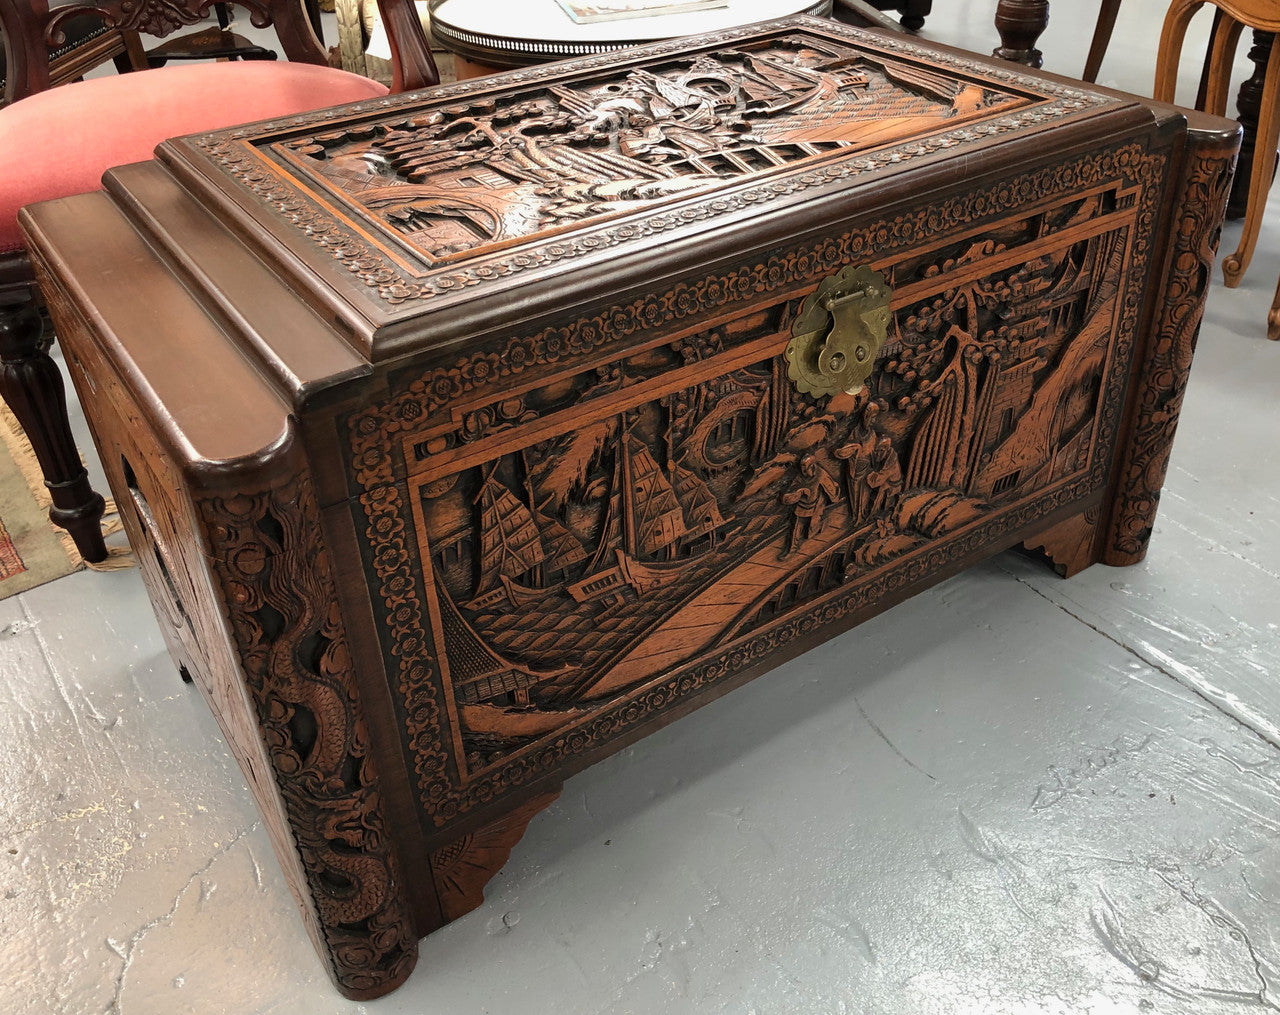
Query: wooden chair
x: 1233, y: 16
x: 1101, y: 39
x: 55, y: 142
x: 89, y: 42
x: 221, y: 43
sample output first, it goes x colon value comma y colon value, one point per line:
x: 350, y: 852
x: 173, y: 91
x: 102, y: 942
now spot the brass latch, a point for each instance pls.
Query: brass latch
x: 838, y: 332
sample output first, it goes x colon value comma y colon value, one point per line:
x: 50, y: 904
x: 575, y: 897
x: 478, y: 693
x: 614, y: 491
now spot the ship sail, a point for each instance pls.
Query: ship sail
x: 509, y: 540
x: 646, y: 517
x: 659, y: 519
x: 562, y: 549
x: 701, y: 511
x: 611, y: 532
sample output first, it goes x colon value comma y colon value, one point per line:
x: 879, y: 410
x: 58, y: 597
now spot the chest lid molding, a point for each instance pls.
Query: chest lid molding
x: 399, y: 211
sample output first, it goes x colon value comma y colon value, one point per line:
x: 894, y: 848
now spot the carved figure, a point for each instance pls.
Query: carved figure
x: 492, y: 171
x: 884, y: 477
x: 857, y: 455
x: 813, y: 492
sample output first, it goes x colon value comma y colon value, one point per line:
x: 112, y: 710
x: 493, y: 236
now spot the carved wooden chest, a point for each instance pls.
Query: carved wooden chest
x: 468, y: 436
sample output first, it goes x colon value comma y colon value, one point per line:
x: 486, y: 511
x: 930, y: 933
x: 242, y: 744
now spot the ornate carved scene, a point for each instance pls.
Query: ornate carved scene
x: 597, y: 532
x: 464, y: 179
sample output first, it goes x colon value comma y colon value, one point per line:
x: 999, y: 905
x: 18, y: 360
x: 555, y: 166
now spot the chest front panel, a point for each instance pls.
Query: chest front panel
x: 573, y: 532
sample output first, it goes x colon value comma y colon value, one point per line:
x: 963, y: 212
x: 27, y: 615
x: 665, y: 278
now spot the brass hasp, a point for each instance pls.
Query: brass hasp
x: 839, y: 331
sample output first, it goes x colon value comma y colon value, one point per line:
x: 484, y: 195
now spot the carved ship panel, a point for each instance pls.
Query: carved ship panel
x: 570, y: 555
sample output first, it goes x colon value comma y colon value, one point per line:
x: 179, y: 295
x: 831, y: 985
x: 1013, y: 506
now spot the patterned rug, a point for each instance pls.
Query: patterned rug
x: 33, y: 550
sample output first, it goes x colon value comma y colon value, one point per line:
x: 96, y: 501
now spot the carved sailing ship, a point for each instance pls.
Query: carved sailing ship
x: 652, y: 519
x: 632, y: 540
x: 520, y: 548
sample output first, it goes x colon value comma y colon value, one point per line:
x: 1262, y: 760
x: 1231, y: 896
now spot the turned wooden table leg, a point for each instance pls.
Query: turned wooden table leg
x: 1020, y: 23
x: 913, y: 14
x: 1248, y: 112
x: 1261, y: 173
x: 1101, y: 39
x: 32, y: 386
x: 1273, y: 318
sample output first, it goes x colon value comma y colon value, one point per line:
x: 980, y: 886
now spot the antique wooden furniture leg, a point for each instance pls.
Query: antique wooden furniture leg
x: 1248, y: 111
x: 461, y: 868
x: 913, y: 11
x: 1020, y: 23
x: 862, y: 14
x: 1101, y: 39
x: 1261, y: 171
x: 1237, y: 15
x: 31, y: 385
x: 1273, y: 317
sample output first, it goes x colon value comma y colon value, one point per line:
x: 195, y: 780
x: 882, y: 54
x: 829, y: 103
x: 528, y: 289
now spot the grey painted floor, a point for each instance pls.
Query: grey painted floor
x: 1013, y: 794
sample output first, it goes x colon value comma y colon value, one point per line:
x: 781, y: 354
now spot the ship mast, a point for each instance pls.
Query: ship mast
x: 628, y: 490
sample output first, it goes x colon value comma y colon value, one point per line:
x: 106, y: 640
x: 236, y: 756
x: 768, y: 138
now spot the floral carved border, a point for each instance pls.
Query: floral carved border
x: 235, y: 154
x: 278, y: 584
x: 375, y: 433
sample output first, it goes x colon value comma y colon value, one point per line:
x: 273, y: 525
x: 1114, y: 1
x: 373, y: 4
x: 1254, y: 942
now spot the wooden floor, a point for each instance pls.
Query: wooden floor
x: 1013, y: 794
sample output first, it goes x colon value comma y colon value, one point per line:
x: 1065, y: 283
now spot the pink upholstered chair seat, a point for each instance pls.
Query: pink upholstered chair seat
x: 60, y: 142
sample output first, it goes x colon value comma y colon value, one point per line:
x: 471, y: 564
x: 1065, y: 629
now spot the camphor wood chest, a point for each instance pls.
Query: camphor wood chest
x: 468, y: 436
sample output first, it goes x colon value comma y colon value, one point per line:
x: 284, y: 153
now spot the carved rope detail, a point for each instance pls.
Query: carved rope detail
x: 278, y: 583
x: 1202, y: 199
x: 374, y: 433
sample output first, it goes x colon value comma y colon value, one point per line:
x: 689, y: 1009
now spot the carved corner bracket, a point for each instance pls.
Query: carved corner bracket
x: 464, y: 866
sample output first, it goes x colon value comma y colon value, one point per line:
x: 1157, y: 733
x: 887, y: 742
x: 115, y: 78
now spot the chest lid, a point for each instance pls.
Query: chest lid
x: 420, y: 219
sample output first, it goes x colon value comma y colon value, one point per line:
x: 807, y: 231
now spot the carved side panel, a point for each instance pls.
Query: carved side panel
x: 257, y: 628
x: 572, y: 553
x: 1201, y: 198
x: 277, y: 581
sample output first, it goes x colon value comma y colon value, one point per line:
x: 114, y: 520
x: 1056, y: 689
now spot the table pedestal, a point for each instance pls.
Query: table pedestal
x: 1020, y: 23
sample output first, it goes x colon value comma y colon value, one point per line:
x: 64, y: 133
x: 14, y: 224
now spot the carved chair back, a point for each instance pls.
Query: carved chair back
x: 89, y: 41
x: 32, y: 31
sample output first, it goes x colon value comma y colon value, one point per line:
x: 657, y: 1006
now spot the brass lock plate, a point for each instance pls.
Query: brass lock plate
x: 838, y: 333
